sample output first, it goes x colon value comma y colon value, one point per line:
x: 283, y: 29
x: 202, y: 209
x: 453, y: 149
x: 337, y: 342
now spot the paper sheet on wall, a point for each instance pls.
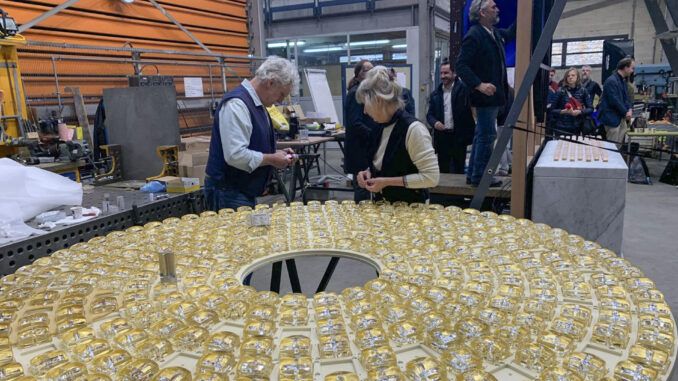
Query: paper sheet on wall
x: 320, y: 93
x: 193, y: 87
x: 400, y: 77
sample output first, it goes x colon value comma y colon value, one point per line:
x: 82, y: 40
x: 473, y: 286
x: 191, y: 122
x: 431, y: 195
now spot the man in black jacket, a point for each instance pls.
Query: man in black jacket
x: 615, y: 107
x: 359, y: 128
x: 482, y: 67
x: 449, y: 114
x: 589, y: 84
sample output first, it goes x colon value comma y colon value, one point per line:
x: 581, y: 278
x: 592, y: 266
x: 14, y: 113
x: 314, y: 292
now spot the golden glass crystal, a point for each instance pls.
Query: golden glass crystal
x: 295, y: 367
x: 33, y: 335
x: 558, y: 373
x: 392, y: 373
x: 154, y: 349
x: 587, y: 366
x: 630, y: 371
x: 342, y: 376
x: 655, y: 339
x: 67, y: 371
x: 11, y: 371
x: 378, y: 357
x: 128, y: 339
x: 257, y: 346
x: 476, y: 375
x: 334, y: 346
x: 215, y: 362
x: 653, y: 358
x: 174, y: 373
x: 190, y: 338
x: 41, y: 364
x: 460, y: 359
x: 295, y: 346
x: 610, y: 334
x: 405, y: 332
x: 425, y: 368
x: 224, y: 341
x: 251, y: 366
x: 110, y: 362
x: 85, y: 351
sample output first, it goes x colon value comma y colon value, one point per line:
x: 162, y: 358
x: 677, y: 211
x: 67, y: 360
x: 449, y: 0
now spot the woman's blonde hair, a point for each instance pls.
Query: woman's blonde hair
x: 567, y: 72
x: 378, y: 84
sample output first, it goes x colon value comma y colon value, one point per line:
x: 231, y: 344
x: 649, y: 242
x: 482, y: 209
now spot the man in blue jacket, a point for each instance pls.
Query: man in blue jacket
x: 242, y: 152
x: 449, y: 114
x: 615, y: 108
x: 482, y: 67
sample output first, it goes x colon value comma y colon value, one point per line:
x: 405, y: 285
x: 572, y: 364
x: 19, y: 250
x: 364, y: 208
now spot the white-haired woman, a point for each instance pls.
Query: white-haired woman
x: 403, y: 163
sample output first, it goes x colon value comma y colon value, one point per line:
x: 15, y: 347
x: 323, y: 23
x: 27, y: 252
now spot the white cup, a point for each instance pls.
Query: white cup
x: 77, y: 212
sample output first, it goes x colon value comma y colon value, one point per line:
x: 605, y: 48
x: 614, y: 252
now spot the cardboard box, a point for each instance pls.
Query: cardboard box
x: 195, y: 143
x: 193, y: 158
x: 194, y: 172
x: 183, y: 185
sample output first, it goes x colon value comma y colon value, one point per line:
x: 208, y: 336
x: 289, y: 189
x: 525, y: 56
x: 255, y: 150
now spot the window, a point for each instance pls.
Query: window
x: 568, y: 53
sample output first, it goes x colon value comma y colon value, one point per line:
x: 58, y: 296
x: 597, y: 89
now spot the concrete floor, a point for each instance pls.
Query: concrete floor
x: 650, y: 228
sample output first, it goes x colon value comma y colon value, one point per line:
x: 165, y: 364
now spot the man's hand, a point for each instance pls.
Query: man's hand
x: 280, y: 159
x: 629, y: 114
x: 363, y: 176
x: 376, y: 184
x: 486, y: 88
x: 576, y: 112
x: 439, y: 126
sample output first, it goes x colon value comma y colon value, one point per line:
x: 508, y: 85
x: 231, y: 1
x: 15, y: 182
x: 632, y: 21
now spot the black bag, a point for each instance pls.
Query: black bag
x: 670, y: 174
x: 588, y: 126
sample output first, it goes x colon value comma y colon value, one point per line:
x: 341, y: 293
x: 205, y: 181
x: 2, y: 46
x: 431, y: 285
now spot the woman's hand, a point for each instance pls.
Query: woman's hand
x: 363, y: 176
x: 376, y: 184
x: 576, y: 112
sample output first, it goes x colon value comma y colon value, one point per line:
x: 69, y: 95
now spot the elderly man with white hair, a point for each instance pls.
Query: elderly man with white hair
x: 482, y: 67
x: 243, y: 153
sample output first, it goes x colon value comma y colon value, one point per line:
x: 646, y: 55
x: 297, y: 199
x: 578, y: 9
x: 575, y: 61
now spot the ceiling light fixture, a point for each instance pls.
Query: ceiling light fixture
x: 285, y: 44
x: 373, y: 42
x: 399, y: 46
x: 321, y: 50
x: 127, y: 1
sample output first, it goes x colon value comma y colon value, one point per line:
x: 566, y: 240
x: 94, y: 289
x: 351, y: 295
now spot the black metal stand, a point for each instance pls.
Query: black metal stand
x: 520, y: 99
x: 328, y: 274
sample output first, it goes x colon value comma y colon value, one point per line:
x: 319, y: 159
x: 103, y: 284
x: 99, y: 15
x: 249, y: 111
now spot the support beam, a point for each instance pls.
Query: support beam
x: 425, y: 14
x: 26, y: 26
x: 520, y: 99
x: 520, y: 138
x: 659, y: 22
x: 591, y: 7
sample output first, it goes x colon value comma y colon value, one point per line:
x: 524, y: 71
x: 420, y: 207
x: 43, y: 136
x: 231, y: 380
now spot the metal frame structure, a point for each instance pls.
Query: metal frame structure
x: 660, y: 26
x: 315, y: 5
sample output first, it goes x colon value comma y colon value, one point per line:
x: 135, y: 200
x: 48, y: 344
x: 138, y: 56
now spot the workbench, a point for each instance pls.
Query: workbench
x: 139, y: 209
x: 660, y: 129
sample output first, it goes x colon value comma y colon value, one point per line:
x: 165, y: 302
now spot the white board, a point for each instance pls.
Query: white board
x: 320, y: 93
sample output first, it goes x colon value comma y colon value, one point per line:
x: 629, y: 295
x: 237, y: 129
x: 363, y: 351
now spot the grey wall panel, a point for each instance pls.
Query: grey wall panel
x: 141, y: 119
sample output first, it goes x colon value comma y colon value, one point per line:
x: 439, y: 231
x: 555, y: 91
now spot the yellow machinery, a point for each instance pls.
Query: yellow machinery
x: 14, y: 104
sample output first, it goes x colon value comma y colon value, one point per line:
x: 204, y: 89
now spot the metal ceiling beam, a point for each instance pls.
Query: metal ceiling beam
x: 590, y: 8
x: 24, y: 27
x: 659, y: 22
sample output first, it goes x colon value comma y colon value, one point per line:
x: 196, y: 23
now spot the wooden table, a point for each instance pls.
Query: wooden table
x: 666, y: 130
x: 455, y: 184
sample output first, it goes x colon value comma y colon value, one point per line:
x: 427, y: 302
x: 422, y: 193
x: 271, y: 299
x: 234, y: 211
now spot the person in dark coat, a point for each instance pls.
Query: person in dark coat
x: 449, y: 114
x: 589, y: 84
x: 482, y: 67
x: 359, y: 128
x: 406, y: 95
x: 615, y: 107
x: 569, y: 116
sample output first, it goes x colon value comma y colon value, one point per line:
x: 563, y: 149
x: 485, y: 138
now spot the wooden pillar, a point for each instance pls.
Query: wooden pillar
x: 520, y: 143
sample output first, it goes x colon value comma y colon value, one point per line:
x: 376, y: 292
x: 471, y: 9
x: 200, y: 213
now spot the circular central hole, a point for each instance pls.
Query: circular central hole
x: 311, y: 270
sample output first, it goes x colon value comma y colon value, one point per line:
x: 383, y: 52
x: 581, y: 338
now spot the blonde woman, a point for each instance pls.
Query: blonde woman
x: 403, y: 163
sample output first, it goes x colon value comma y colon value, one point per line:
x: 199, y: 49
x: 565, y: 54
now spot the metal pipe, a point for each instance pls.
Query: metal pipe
x: 20, y: 112
x: 24, y: 27
x: 211, y: 83
x: 138, y: 50
x: 132, y: 61
x: 56, y: 83
x: 178, y: 24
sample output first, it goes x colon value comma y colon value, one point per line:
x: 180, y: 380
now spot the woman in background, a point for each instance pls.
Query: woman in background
x: 571, y: 105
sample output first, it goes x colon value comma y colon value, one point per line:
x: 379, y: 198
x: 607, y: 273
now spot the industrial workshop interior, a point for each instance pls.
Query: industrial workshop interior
x: 338, y: 190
